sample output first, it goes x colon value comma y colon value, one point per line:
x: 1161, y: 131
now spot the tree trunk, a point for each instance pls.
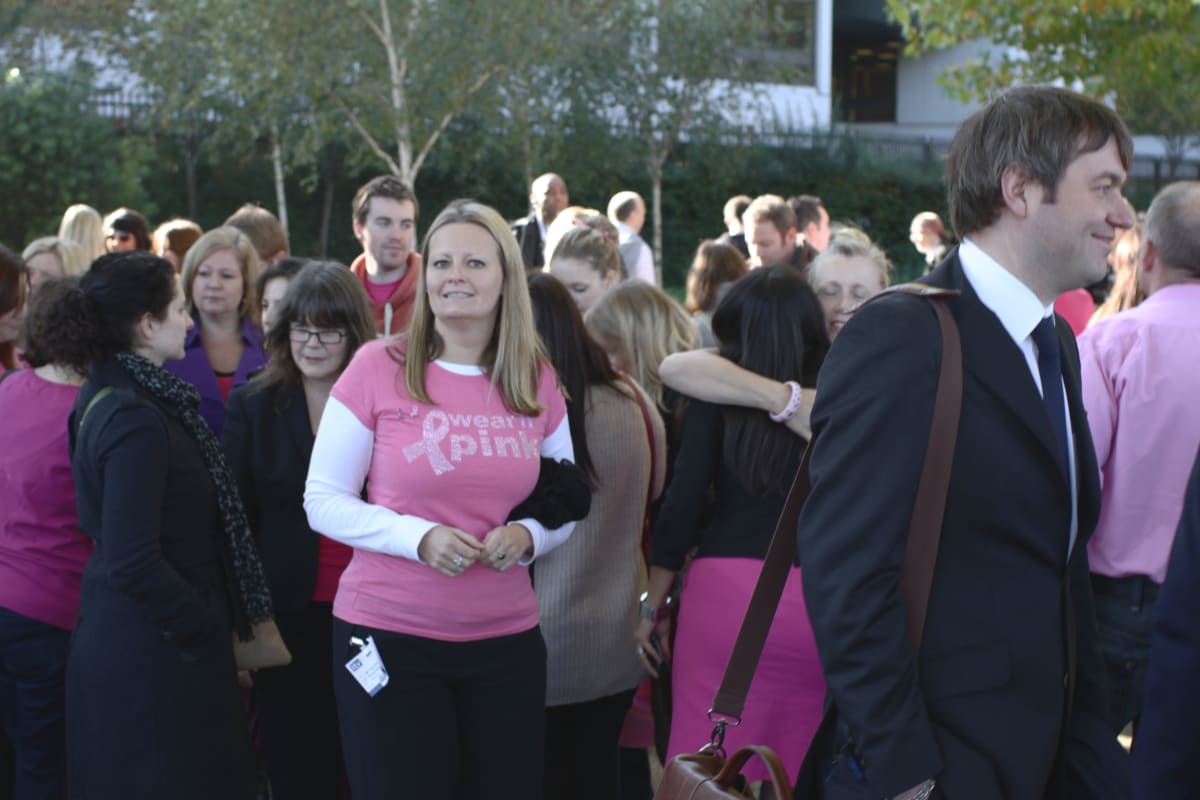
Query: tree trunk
x: 656, y: 173
x: 277, y: 166
x: 331, y: 171
x: 191, y: 158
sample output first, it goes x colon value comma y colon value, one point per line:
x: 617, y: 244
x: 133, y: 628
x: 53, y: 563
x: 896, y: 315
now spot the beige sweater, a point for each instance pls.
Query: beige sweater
x: 588, y: 588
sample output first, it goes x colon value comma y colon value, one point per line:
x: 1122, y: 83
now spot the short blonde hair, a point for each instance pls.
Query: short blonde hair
x: 852, y: 243
x: 514, y: 355
x: 82, y: 224
x: 216, y: 240
x: 69, y: 254
x: 643, y: 325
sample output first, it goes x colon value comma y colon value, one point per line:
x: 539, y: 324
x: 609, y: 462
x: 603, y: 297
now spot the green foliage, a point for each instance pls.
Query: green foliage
x: 56, y: 152
x: 1144, y: 52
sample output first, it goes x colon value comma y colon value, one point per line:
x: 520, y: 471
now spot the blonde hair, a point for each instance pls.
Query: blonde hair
x: 514, y: 355
x: 643, y: 325
x: 216, y: 240
x: 69, y: 254
x: 592, y: 246
x: 852, y: 243
x: 1125, y: 292
x: 82, y: 224
x: 571, y: 218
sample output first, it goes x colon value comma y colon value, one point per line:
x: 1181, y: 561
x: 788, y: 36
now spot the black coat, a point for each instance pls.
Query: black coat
x: 153, y: 705
x: 1010, y: 647
x: 1166, y: 753
x: 268, y: 442
x: 529, y: 236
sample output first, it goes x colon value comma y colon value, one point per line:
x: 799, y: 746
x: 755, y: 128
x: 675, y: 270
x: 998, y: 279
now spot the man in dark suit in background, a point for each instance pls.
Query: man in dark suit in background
x: 1005, y: 698
x: 547, y: 196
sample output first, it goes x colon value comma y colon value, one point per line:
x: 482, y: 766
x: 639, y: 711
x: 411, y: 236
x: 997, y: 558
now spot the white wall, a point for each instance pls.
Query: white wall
x: 920, y: 100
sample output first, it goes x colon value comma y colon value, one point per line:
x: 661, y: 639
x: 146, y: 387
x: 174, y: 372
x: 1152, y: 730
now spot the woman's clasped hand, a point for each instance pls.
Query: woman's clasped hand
x: 452, y: 551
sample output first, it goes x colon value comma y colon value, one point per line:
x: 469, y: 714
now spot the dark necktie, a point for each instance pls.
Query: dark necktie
x: 1050, y: 368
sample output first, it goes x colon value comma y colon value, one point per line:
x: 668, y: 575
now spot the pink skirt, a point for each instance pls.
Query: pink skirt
x: 787, y: 695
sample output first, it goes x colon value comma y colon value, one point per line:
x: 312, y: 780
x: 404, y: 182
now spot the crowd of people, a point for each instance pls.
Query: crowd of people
x: 505, y: 499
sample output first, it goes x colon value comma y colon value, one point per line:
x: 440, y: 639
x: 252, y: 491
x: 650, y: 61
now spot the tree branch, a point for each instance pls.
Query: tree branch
x: 367, y: 137
x: 373, y: 25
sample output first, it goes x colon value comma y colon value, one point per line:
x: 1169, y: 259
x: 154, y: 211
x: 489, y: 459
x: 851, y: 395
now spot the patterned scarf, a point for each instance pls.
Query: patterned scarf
x: 253, y: 595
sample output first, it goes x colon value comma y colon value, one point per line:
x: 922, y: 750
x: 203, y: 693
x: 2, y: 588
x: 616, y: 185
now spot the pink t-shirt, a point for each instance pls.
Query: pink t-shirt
x: 466, y: 461
x: 381, y: 292
x: 42, y: 550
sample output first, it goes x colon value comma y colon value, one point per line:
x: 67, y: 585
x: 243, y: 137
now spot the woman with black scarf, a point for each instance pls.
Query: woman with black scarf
x: 153, y: 707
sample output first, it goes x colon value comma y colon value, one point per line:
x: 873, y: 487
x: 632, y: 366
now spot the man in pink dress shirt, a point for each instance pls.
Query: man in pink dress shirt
x: 1140, y: 384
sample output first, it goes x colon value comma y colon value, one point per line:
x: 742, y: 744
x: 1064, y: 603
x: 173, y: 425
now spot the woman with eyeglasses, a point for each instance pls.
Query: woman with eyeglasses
x: 225, y: 347
x: 270, y: 424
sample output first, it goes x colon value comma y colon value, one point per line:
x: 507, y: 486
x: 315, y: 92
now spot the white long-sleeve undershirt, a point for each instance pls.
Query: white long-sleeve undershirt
x: 341, y: 457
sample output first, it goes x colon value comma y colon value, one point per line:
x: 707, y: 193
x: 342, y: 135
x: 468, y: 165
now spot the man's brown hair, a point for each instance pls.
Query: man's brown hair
x: 1038, y: 130
x: 388, y: 186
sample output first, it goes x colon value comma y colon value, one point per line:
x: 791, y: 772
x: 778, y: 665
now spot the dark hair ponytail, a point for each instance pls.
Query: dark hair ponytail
x: 96, y: 320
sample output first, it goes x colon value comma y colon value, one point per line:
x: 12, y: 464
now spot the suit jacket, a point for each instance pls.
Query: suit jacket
x: 153, y: 703
x: 1008, y: 676
x: 268, y: 443
x: 1166, y: 756
x: 529, y: 236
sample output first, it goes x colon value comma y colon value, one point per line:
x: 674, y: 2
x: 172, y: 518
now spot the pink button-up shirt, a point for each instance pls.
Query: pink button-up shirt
x: 1141, y: 382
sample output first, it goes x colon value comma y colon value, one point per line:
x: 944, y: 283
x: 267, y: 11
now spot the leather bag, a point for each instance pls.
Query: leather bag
x: 264, y: 649
x: 708, y: 773
x: 705, y: 776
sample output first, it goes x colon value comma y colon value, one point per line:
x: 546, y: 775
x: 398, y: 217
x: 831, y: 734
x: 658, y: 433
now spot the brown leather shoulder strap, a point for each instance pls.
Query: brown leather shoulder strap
x: 924, y: 532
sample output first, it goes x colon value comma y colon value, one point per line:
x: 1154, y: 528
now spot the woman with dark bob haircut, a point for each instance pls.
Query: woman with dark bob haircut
x: 714, y: 267
x: 270, y: 423
x: 769, y: 323
x: 42, y: 550
x: 153, y: 705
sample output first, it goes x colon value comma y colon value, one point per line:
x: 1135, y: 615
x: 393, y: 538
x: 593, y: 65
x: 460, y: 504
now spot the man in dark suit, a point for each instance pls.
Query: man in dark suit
x: 547, y: 196
x: 1005, y: 698
x: 1166, y: 758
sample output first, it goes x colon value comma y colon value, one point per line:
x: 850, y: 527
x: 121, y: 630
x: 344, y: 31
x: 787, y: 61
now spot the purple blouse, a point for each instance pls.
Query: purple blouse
x: 196, y: 370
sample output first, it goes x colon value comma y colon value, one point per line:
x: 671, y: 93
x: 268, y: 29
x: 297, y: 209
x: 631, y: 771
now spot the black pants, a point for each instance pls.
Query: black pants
x: 297, y: 712
x: 33, y: 663
x: 581, y: 748
x: 1125, y: 619
x: 457, y: 720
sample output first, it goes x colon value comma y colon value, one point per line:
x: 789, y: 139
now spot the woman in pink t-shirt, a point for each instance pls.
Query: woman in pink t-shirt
x: 42, y: 550
x: 440, y: 667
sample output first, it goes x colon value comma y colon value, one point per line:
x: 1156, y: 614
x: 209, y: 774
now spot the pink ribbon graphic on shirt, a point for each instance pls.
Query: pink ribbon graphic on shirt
x: 433, y: 430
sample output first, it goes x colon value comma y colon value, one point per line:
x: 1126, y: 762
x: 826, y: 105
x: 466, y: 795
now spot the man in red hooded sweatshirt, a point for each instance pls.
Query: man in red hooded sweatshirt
x: 385, y: 221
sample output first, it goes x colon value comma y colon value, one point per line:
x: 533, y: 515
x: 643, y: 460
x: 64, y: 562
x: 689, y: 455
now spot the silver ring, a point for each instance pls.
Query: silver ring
x: 641, y: 651
x: 457, y: 561
x: 501, y: 556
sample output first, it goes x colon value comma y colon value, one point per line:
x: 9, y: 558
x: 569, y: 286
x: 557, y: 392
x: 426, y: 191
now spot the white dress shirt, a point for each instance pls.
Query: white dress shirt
x: 1019, y: 312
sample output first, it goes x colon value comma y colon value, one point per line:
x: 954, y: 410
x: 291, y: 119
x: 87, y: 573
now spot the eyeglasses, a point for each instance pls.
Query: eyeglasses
x: 304, y: 335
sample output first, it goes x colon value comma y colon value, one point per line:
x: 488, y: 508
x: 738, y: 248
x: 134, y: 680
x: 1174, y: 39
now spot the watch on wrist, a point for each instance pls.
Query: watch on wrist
x: 655, y: 614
